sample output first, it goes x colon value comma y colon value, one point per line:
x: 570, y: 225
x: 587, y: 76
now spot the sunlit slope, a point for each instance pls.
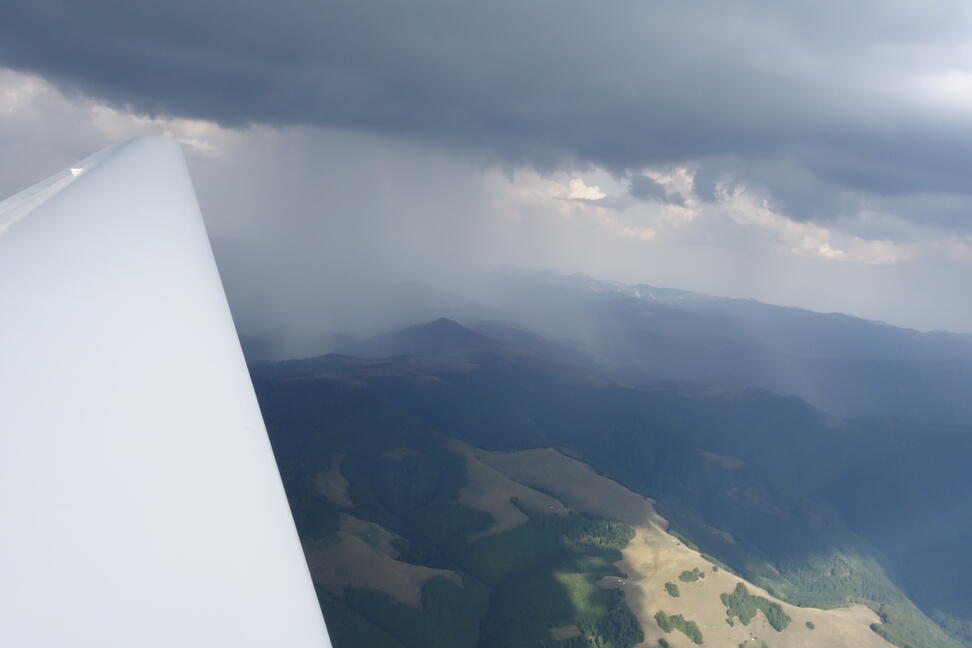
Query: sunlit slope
x: 654, y: 557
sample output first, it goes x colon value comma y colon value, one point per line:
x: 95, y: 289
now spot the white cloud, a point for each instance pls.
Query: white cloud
x: 804, y: 239
x: 957, y: 248
x: 814, y: 240
x: 949, y: 90
x: 578, y: 190
x: 42, y: 130
x: 529, y: 195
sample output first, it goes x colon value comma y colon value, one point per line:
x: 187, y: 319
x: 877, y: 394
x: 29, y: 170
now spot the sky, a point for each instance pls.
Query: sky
x: 807, y: 154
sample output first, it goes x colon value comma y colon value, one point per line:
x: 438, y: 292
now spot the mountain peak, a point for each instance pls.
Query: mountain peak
x: 441, y: 336
x: 443, y: 324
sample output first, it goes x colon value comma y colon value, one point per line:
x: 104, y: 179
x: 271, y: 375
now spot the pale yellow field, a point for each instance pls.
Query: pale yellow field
x: 655, y: 557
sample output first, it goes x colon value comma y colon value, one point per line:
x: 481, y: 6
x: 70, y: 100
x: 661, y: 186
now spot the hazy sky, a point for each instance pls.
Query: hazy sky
x: 804, y: 153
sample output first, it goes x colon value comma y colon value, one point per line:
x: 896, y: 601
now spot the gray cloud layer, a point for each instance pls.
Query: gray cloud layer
x: 804, y: 153
x: 317, y: 230
x: 809, y: 100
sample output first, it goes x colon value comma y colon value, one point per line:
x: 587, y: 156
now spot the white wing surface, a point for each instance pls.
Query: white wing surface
x: 140, y: 505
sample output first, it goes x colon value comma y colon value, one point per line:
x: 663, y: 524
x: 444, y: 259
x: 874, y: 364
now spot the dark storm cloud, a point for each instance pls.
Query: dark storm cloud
x: 821, y: 86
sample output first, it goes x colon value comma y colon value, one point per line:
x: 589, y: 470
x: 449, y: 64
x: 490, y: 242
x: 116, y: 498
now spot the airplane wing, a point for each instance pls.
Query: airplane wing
x: 140, y: 503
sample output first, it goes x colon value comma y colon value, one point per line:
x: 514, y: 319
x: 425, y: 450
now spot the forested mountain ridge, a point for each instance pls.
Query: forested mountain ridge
x: 641, y: 334
x: 845, y: 365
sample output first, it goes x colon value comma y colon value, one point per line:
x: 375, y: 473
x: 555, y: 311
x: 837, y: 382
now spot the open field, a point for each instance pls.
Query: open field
x: 565, y: 632
x: 331, y: 484
x: 575, y: 484
x: 361, y: 555
x: 490, y: 490
x: 654, y: 558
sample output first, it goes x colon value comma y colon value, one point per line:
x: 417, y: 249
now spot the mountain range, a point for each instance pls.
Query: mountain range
x: 817, y: 461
